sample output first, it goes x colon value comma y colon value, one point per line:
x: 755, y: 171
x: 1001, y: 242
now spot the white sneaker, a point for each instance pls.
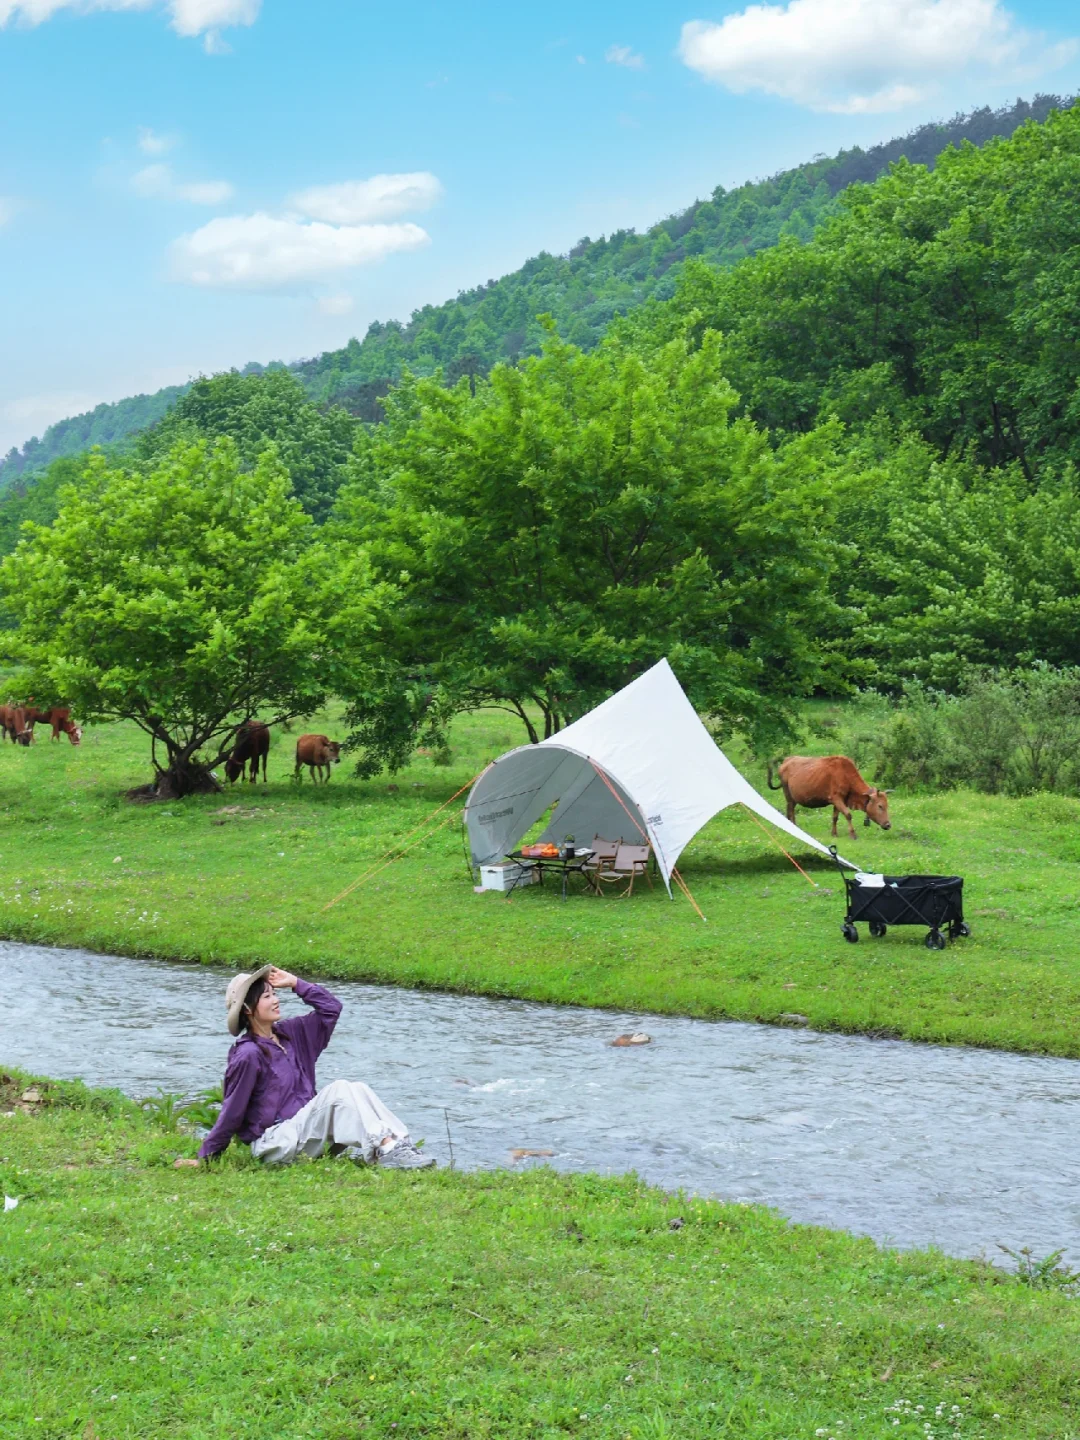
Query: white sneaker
x: 405, y: 1156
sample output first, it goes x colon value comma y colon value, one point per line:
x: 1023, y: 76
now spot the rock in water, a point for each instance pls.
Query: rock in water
x: 637, y: 1038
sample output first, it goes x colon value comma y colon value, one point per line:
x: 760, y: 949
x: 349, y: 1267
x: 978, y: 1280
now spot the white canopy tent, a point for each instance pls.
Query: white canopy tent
x: 641, y: 766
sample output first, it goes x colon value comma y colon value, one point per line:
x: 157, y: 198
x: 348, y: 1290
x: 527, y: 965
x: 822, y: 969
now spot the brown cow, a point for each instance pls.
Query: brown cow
x: 59, y: 717
x: 318, y: 754
x: 815, y: 782
x: 250, y: 745
x: 14, y: 726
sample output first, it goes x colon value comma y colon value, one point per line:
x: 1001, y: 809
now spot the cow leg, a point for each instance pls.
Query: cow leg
x: 296, y: 772
x: 264, y: 767
x: 790, y: 805
x: 839, y: 806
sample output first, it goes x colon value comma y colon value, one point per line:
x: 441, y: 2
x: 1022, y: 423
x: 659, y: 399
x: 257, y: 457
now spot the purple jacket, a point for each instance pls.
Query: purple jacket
x: 264, y: 1082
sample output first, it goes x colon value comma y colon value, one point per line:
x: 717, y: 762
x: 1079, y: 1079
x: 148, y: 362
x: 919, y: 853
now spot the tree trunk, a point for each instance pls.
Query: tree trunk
x: 183, y: 776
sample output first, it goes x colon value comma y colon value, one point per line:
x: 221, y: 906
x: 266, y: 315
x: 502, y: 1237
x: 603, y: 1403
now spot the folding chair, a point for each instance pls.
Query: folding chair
x: 630, y: 862
x: 602, y: 857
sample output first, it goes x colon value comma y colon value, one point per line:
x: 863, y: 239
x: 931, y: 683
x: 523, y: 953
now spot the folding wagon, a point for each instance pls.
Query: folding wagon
x: 936, y: 901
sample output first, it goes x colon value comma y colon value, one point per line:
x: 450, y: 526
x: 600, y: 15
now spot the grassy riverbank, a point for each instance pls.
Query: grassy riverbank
x: 326, y: 1302
x: 207, y: 881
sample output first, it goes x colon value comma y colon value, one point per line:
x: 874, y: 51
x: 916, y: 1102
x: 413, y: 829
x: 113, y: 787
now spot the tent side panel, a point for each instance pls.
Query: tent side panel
x: 511, y: 796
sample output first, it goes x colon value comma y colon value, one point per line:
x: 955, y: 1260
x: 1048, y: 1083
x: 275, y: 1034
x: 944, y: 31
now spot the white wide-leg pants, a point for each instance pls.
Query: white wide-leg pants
x: 345, y: 1112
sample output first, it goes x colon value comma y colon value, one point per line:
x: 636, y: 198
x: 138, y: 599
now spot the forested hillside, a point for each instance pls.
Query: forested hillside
x: 584, y: 290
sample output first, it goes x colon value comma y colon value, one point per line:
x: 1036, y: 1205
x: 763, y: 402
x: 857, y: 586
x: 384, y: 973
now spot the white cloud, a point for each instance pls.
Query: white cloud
x: 188, y: 17
x: 195, y: 17
x: 623, y: 55
x: 335, y: 304
x: 158, y: 182
x: 861, y: 56
x: 34, y: 12
x: 151, y: 143
x: 262, y: 252
x: 355, y: 202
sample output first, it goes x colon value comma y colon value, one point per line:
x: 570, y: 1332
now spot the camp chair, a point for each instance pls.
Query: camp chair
x: 630, y: 862
x: 601, y: 857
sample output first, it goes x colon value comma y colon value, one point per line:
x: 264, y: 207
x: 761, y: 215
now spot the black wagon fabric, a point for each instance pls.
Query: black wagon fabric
x: 933, y: 900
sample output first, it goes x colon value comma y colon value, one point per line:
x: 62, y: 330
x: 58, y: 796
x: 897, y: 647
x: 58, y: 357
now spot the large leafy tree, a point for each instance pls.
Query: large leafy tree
x: 558, y: 528
x: 185, y: 599
x: 259, y: 412
x: 945, y: 299
x: 966, y: 569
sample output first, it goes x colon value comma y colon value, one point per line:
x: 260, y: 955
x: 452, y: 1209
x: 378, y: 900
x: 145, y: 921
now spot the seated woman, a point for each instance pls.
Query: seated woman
x: 270, y: 1098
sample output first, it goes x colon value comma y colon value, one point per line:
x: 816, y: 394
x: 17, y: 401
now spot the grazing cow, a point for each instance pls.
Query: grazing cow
x: 59, y: 717
x: 830, y: 780
x: 13, y: 723
x: 318, y: 754
x: 250, y: 745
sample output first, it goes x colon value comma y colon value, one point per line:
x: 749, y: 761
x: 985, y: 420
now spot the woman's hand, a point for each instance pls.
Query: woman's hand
x: 183, y: 1163
x: 281, y: 979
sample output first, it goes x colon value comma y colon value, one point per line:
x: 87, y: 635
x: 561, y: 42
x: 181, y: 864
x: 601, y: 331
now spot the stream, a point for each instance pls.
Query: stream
x: 910, y: 1144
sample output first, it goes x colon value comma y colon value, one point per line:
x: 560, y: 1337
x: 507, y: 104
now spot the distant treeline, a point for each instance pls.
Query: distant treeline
x: 584, y: 291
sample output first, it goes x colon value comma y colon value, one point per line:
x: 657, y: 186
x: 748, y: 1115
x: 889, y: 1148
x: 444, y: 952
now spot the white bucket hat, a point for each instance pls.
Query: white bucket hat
x: 235, y: 991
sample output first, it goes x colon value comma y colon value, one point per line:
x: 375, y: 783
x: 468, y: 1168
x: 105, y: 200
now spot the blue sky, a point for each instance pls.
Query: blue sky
x: 187, y: 185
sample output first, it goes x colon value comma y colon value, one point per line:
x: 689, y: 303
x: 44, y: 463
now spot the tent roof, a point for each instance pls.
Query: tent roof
x: 642, y: 756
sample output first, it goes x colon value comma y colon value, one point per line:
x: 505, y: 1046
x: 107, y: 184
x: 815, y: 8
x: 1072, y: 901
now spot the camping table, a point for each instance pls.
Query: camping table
x: 557, y: 865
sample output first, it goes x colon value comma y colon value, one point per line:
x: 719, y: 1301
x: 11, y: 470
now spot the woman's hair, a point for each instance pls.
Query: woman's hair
x: 251, y: 999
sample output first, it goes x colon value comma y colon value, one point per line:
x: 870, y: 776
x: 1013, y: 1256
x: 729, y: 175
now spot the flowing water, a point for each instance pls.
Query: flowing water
x: 911, y: 1144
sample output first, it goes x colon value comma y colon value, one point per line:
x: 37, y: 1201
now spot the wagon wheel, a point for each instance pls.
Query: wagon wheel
x: 851, y: 935
x: 958, y: 930
x: 878, y: 928
x: 935, y: 940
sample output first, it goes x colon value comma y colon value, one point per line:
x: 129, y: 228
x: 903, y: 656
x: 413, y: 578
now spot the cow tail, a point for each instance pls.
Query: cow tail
x: 768, y: 769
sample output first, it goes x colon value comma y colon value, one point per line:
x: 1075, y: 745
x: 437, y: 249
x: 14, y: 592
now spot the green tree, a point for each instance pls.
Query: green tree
x: 962, y: 567
x: 575, y: 519
x: 185, y: 599
x: 260, y: 412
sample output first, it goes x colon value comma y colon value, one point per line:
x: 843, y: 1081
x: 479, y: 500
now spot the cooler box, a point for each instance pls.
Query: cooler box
x: 507, y: 876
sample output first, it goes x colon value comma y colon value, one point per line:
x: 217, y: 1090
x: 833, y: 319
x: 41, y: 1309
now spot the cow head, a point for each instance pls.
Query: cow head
x: 234, y: 769
x: 877, y: 808
x: 75, y: 734
x: 333, y: 752
x: 24, y: 737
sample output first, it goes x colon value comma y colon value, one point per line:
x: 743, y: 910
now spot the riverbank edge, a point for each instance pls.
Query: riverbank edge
x: 538, y: 994
x: 831, y: 1326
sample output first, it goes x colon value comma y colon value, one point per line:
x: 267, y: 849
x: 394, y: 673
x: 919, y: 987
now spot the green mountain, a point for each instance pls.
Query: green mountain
x: 584, y: 290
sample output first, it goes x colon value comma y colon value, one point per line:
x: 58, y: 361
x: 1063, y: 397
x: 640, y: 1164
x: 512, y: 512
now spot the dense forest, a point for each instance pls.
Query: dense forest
x: 845, y: 462
x: 584, y: 291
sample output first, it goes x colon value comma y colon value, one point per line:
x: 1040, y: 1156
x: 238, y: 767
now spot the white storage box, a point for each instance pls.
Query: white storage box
x: 507, y: 876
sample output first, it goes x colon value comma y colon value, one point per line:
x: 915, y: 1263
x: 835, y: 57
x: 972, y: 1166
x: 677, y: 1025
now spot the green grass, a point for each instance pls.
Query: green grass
x: 323, y: 1301
x: 194, y: 880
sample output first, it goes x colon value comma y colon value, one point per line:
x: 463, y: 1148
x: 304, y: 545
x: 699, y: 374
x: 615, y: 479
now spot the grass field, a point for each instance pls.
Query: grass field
x: 204, y: 880
x: 325, y: 1302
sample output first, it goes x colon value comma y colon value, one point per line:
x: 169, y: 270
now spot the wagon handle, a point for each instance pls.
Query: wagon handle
x: 839, y: 863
